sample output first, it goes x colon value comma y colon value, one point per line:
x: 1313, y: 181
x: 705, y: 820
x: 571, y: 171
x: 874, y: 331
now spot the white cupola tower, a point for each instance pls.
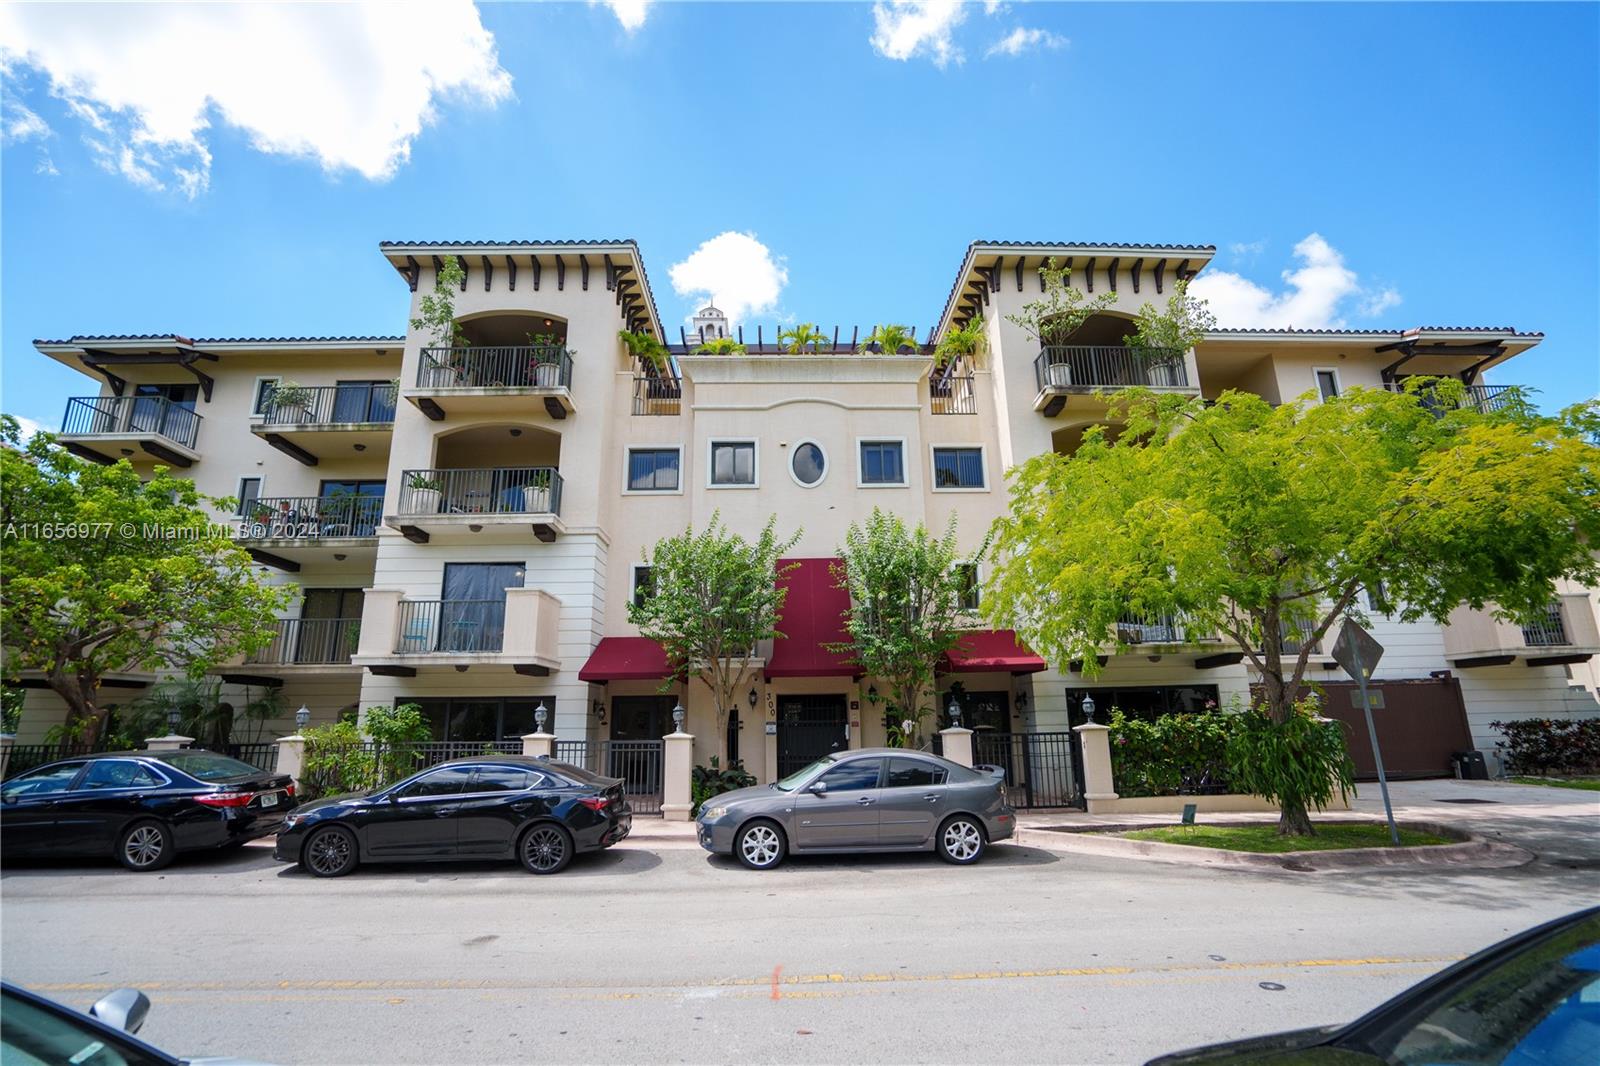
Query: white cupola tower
x: 710, y: 323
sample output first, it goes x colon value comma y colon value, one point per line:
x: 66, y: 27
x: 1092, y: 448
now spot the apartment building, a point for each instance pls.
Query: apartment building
x: 468, y: 524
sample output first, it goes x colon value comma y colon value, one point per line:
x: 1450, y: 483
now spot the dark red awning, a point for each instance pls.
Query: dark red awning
x: 627, y: 659
x: 813, y: 617
x: 983, y: 650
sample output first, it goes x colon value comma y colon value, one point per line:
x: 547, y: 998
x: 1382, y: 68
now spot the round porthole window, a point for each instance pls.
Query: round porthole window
x: 808, y: 463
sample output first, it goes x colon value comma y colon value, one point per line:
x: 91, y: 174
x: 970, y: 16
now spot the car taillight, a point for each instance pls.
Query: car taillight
x: 225, y: 799
x: 594, y: 803
x: 288, y: 790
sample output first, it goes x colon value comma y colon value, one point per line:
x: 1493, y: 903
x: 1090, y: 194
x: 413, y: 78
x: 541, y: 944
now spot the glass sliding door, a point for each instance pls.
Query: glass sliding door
x: 472, y: 616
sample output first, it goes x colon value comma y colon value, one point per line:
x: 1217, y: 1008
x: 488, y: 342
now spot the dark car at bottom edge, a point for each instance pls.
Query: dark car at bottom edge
x: 142, y: 807
x: 867, y: 800
x: 538, y: 811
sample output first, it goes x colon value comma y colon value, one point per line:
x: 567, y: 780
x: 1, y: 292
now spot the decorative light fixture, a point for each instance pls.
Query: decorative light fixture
x: 339, y: 557
x: 302, y: 717
x: 872, y: 693
x: 755, y: 697
x: 475, y: 527
x: 1088, y: 708
x: 174, y: 716
x: 539, y: 716
x: 678, y: 716
x: 1021, y: 700
x: 361, y: 447
x: 954, y: 711
x: 515, y: 432
x: 600, y: 711
x: 127, y: 451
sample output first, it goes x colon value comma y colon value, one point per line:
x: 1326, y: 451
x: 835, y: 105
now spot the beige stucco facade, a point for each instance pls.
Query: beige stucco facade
x: 576, y: 562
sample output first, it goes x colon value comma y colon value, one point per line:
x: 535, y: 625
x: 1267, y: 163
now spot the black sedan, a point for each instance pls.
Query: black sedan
x: 1532, y: 1000
x: 144, y: 807
x: 538, y: 811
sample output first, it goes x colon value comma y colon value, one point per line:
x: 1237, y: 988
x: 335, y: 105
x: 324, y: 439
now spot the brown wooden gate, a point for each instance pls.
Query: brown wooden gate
x: 1420, y: 724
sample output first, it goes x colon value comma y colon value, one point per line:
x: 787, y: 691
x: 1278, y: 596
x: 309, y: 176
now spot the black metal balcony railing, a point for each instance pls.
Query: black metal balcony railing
x: 495, y: 490
x: 311, y: 517
x: 310, y: 641
x: 329, y: 405
x: 657, y: 396
x: 1297, y: 634
x: 1548, y: 631
x: 131, y: 415
x: 521, y: 366
x: 1482, y: 398
x: 1087, y: 368
x: 952, y: 395
x: 451, y: 626
x: 1159, y: 629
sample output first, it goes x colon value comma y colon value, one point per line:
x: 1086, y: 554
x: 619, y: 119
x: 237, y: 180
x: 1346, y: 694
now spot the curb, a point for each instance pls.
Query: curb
x: 1473, y: 852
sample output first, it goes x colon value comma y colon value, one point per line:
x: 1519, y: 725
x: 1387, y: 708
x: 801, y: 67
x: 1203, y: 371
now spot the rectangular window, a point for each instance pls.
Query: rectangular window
x: 249, y: 492
x: 958, y: 468
x: 653, y: 469
x: 644, y: 583
x: 733, y: 462
x: 264, y: 387
x: 1378, y: 598
x: 1328, y: 384
x: 883, y: 462
x: 967, y: 577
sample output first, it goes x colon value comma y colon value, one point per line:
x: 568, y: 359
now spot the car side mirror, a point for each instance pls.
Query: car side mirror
x: 818, y: 788
x: 123, y: 1009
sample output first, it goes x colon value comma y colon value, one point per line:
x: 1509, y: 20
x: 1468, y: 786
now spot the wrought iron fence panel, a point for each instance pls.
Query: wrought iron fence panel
x: 657, y: 396
x: 522, y: 366
x: 308, y: 641
x: 451, y: 626
x: 1085, y: 368
x: 488, y: 490
x: 953, y: 395
x: 638, y: 762
x: 117, y: 415
x: 361, y: 403
x: 1039, y: 767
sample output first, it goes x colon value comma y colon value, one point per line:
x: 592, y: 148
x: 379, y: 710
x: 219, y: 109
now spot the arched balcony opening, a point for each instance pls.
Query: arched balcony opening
x: 486, y: 475
x: 499, y: 360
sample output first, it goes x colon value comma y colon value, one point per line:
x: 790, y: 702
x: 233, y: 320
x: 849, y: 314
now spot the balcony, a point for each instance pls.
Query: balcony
x: 493, y: 380
x: 951, y: 392
x: 315, y: 643
x: 104, y: 429
x: 1564, y: 634
x: 436, y: 502
x: 1069, y: 376
x: 400, y: 636
x: 309, y: 422
x: 1166, y: 634
x: 654, y: 395
x: 288, y: 531
x: 1480, y: 398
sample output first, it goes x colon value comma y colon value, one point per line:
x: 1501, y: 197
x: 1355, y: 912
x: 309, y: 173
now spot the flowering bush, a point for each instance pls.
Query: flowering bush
x: 1174, y: 754
x: 1550, y: 745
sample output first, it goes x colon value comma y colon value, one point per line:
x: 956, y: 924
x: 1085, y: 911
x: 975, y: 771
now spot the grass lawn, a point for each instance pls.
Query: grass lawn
x: 1590, y: 784
x: 1265, y: 838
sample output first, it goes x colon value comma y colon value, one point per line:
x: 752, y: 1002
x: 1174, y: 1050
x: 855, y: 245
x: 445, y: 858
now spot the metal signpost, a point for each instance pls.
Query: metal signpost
x: 1358, y: 653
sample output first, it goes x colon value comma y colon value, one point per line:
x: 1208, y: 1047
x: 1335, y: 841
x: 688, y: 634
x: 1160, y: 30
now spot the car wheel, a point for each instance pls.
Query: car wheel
x: 329, y: 852
x: 546, y: 849
x: 146, y: 846
x: 760, y: 845
x: 960, y: 840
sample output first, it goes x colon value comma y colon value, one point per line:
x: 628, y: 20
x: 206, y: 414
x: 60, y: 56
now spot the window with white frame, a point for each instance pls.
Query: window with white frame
x: 1327, y: 383
x: 883, y: 462
x: 653, y: 469
x: 733, y: 462
x: 808, y: 463
x: 249, y: 493
x: 263, y: 397
x: 958, y: 468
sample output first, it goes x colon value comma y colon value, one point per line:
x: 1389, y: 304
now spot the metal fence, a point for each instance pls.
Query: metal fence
x: 1160, y: 629
x: 952, y: 395
x: 1548, y: 631
x: 24, y: 757
x: 333, y: 768
x: 523, y: 366
x: 311, y: 517
x: 451, y: 625
x: 262, y: 754
x: 1482, y: 398
x: 488, y: 490
x: 131, y: 416
x: 657, y: 396
x: 1085, y: 368
x: 329, y: 405
x: 637, y: 762
x: 308, y: 641
x: 1039, y: 767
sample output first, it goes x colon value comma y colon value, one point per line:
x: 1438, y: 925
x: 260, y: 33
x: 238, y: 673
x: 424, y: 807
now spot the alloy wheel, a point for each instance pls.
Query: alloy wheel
x: 760, y: 845
x: 545, y: 849
x: 962, y: 841
x: 143, y: 846
x: 329, y: 853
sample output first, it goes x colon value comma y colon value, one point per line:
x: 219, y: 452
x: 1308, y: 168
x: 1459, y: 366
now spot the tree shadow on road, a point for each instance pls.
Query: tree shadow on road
x: 608, y: 863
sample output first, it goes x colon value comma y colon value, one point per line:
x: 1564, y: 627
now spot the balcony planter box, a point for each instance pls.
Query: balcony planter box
x: 546, y: 375
x: 1058, y: 375
x: 535, y: 499
x: 425, y: 501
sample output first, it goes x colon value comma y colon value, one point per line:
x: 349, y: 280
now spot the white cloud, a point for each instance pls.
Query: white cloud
x: 28, y: 427
x: 1247, y: 249
x: 631, y: 13
x: 1319, y: 293
x: 21, y: 124
x: 735, y: 271
x: 349, y: 85
x: 1022, y: 40
x: 904, y: 29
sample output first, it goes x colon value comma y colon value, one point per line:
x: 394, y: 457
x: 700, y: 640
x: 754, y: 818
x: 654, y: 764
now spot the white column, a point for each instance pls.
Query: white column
x: 957, y: 744
x: 170, y: 742
x: 539, y: 745
x: 292, y: 757
x: 1098, y: 786
x: 677, y: 769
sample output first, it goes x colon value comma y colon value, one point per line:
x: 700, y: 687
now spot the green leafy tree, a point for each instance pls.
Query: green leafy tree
x: 645, y: 348
x: 1263, y: 523
x: 801, y: 338
x: 963, y: 342
x: 889, y: 339
x: 713, y: 597
x: 146, y: 582
x: 436, y: 311
x: 1181, y: 325
x: 1060, y: 309
x: 905, y: 609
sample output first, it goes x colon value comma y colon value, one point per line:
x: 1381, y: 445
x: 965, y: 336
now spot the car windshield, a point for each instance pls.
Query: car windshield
x: 792, y: 782
x: 31, y: 1034
x: 208, y: 766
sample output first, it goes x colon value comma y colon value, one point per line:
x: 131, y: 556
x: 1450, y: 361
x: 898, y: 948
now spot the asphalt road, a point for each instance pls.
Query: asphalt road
x: 666, y: 955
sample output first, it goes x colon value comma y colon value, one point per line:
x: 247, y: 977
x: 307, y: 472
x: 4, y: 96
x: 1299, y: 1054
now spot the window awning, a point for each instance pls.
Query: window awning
x: 627, y: 659
x: 813, y: 617
x: 983, y: 650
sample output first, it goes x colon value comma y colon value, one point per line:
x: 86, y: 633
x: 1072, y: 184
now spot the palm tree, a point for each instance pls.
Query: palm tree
x: 645, y: 348
x: 796, y: 339
x: 962, y: 341
x: 890, y: 339
x: 720, y: 346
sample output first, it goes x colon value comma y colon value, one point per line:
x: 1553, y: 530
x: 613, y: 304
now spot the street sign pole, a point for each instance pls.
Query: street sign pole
x: 1377, y: 757
x: 1358, y: 653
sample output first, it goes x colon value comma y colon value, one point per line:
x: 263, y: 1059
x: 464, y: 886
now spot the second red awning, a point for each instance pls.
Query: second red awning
x: 626, y: 659
x: 813, y: 616
x: 983, y: 650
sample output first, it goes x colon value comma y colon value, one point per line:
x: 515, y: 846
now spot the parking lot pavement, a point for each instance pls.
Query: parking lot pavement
x: 653, y: 954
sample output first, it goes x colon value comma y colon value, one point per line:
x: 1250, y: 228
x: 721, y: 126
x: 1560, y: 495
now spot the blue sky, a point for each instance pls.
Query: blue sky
x: 1445, y: 158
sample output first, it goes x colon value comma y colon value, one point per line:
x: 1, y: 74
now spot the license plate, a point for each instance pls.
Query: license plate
x: 269, y: 800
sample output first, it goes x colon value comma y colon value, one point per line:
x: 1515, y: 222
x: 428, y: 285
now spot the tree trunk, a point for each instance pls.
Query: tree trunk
x: 85, y: 719
x: 1294, y: 821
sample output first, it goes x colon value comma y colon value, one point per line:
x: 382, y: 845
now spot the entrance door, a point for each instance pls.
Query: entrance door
x: 473, y: 614
x: 810, y: 727
x: 363, y: 401
x: 641, y: 717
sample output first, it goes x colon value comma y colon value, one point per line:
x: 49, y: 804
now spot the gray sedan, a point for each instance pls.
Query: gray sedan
x: 874, y: 799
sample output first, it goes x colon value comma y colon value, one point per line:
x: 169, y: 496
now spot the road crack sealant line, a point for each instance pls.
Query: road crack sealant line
x: 776, y: 980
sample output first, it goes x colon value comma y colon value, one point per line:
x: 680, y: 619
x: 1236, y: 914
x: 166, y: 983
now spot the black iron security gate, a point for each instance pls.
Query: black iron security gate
x: 810, y: 727
x: 637, y: 762
x: 1040, y: 770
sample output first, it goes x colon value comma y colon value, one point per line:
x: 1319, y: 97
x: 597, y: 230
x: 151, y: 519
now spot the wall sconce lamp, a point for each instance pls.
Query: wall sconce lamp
x: 600, y: 711
x: 755, y: 697
x: 1021, y: 700
x: 1088, y: 708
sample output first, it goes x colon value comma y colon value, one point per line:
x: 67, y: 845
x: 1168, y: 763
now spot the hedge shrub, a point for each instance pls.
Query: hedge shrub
x: 1544, y: 746
x: 1171, y: 755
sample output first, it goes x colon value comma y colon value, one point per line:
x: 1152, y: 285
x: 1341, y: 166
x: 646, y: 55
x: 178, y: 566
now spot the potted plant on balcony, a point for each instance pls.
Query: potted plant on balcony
x: 536, y: 496
x: 962, y: 343
x: 889, y: 339
x: 544, y: 369
x: 1162, y: 340
x: 290, y: 402
x: 1055, y: 316
x: 802, y: 339
x: 650, y: 353
x: 425, y: 493
x: 721, y: 346
x: 442, y: 367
